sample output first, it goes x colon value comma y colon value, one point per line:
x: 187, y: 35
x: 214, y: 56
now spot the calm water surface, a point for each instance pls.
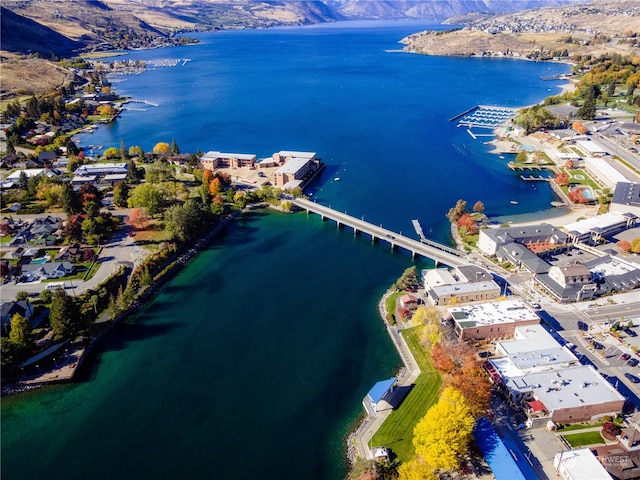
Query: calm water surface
x: 254, y: 360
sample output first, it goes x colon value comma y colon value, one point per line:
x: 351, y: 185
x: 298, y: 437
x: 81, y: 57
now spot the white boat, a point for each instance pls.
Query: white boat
x: 337, y: 179
x: 513, y: 202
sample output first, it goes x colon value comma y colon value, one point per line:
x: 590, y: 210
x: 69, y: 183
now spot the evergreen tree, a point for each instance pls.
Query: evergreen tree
x: 588, y: 109
x: 611, y: 89
x: 63, y: 315
x: 174, y: 147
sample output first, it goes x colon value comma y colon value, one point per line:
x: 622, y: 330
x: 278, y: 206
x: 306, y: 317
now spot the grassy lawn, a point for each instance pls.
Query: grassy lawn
x: 585, y: 438
x: 396, y: 432
x: 391, y: 301
x: 578, y: 426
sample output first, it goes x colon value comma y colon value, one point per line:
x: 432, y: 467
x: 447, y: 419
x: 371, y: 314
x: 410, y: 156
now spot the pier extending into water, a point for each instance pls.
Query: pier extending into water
x: 439, y: 253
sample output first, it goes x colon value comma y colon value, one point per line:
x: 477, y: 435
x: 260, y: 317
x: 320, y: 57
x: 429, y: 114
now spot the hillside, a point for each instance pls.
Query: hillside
x: 143, y: 23
x: 579, y: 29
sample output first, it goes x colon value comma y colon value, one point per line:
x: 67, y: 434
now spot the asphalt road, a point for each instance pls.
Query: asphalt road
x: 120, y: 250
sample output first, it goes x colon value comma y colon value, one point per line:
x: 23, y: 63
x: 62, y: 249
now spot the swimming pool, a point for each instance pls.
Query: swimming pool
x: 38, y: 261
x: 586, y: 191
x: 526, y: 148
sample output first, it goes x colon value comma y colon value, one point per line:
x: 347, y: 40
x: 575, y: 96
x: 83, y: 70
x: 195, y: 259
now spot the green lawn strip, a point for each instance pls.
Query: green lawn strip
x: 584, y: 438
x: 396, y: 432
x: 578, y: 426
x: 390, y: 303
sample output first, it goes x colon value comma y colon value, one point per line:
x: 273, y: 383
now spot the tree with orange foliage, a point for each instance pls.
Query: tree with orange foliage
x: 579, y: 128
x: 562, y: 179
x: 442, y: 360
x: 577, y: 196
x: 624, y: 245
x: 469, y: 223
x: 471, y: 380
x: 207, y: 176
x: 214, y: 187
x: 568, y: 164
x: 138, y: 219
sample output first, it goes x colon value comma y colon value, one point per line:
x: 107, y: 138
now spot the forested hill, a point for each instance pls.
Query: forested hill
x: 108, y: 24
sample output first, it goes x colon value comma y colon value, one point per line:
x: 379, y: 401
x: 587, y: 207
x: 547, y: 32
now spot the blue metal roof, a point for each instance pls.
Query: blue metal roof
x: 379, y: 389
x: 501, y: 461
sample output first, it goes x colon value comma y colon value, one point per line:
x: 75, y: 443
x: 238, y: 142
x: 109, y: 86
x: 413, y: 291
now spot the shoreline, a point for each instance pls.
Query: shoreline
x: 142, y: 299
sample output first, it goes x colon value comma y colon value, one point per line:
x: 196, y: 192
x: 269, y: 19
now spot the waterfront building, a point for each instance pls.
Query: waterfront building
x: 490, y: 239
x: 297, y: 166
x: 466, y: 283
x: 214, y: 160
x: 496, y: 319
x: 579, y: 464
x: 592, y: 230
x: 626, y: 198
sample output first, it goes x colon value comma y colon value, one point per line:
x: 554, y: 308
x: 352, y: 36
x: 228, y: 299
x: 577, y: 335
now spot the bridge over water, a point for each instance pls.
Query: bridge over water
x: 427, y: 248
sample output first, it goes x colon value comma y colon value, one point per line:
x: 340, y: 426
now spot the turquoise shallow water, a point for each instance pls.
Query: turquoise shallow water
x: 254, y: 360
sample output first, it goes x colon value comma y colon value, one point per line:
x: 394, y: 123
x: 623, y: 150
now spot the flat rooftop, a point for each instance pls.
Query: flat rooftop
x: 240, y: 156
x: 492, y: 313
x: 581, y: 463
x: 571, y: 387
x: 527, y: 338
x: 599, y: 221
x: 293, y: 165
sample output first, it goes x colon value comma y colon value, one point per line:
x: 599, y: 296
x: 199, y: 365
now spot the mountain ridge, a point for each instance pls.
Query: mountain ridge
x: 143, y: 23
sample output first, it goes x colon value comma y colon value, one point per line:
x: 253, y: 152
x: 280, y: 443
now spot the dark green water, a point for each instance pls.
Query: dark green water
x: 253, y: 361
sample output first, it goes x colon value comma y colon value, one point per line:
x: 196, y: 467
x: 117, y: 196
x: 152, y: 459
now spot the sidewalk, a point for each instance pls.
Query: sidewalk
x: 361, y: 438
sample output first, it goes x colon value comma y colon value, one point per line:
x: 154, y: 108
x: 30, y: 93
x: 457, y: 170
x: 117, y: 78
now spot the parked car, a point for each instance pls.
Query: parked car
x: 625, y: 357
x: 629, y: 332
x: 632, y: 378
x: 632, y: 362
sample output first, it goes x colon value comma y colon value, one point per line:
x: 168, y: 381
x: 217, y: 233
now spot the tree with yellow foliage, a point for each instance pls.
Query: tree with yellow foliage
x: 443, y: 434
x: 429, y: 319
x: 162, y: 148
x: 416, y: 469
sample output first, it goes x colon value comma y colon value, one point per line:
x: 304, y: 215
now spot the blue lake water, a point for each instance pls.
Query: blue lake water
x: 254, y: 360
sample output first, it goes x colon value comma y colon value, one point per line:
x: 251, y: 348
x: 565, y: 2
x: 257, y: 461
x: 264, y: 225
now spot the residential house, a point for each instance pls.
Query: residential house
x: 48, y: 270
x: 9, y: 309
x: 69, y: 253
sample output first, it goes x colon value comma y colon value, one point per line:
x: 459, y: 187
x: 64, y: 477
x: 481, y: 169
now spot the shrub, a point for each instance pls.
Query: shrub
x: 610, y: 430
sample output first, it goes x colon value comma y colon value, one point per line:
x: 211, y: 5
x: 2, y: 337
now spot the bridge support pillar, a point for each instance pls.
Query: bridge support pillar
x: 338, y: 225
x: 322, y: 217
x: 355, y: 232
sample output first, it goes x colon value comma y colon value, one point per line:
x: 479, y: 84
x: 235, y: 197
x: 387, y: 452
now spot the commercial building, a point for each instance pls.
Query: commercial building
x: 100, y: 169
x: 592, y: 230
x: 497, y: 319
x: 626, y: 198
x: 568, y: 283
x: 297, y: 166
x: 603, y: 173
x: 543, y: 235
x: 579, y: 464
x: 462, y: 284
x: 214, y: 160
x: 548, y: 380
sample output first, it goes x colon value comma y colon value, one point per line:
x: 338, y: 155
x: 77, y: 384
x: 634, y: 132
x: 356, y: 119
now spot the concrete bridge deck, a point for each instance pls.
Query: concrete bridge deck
x: 441, y: 254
